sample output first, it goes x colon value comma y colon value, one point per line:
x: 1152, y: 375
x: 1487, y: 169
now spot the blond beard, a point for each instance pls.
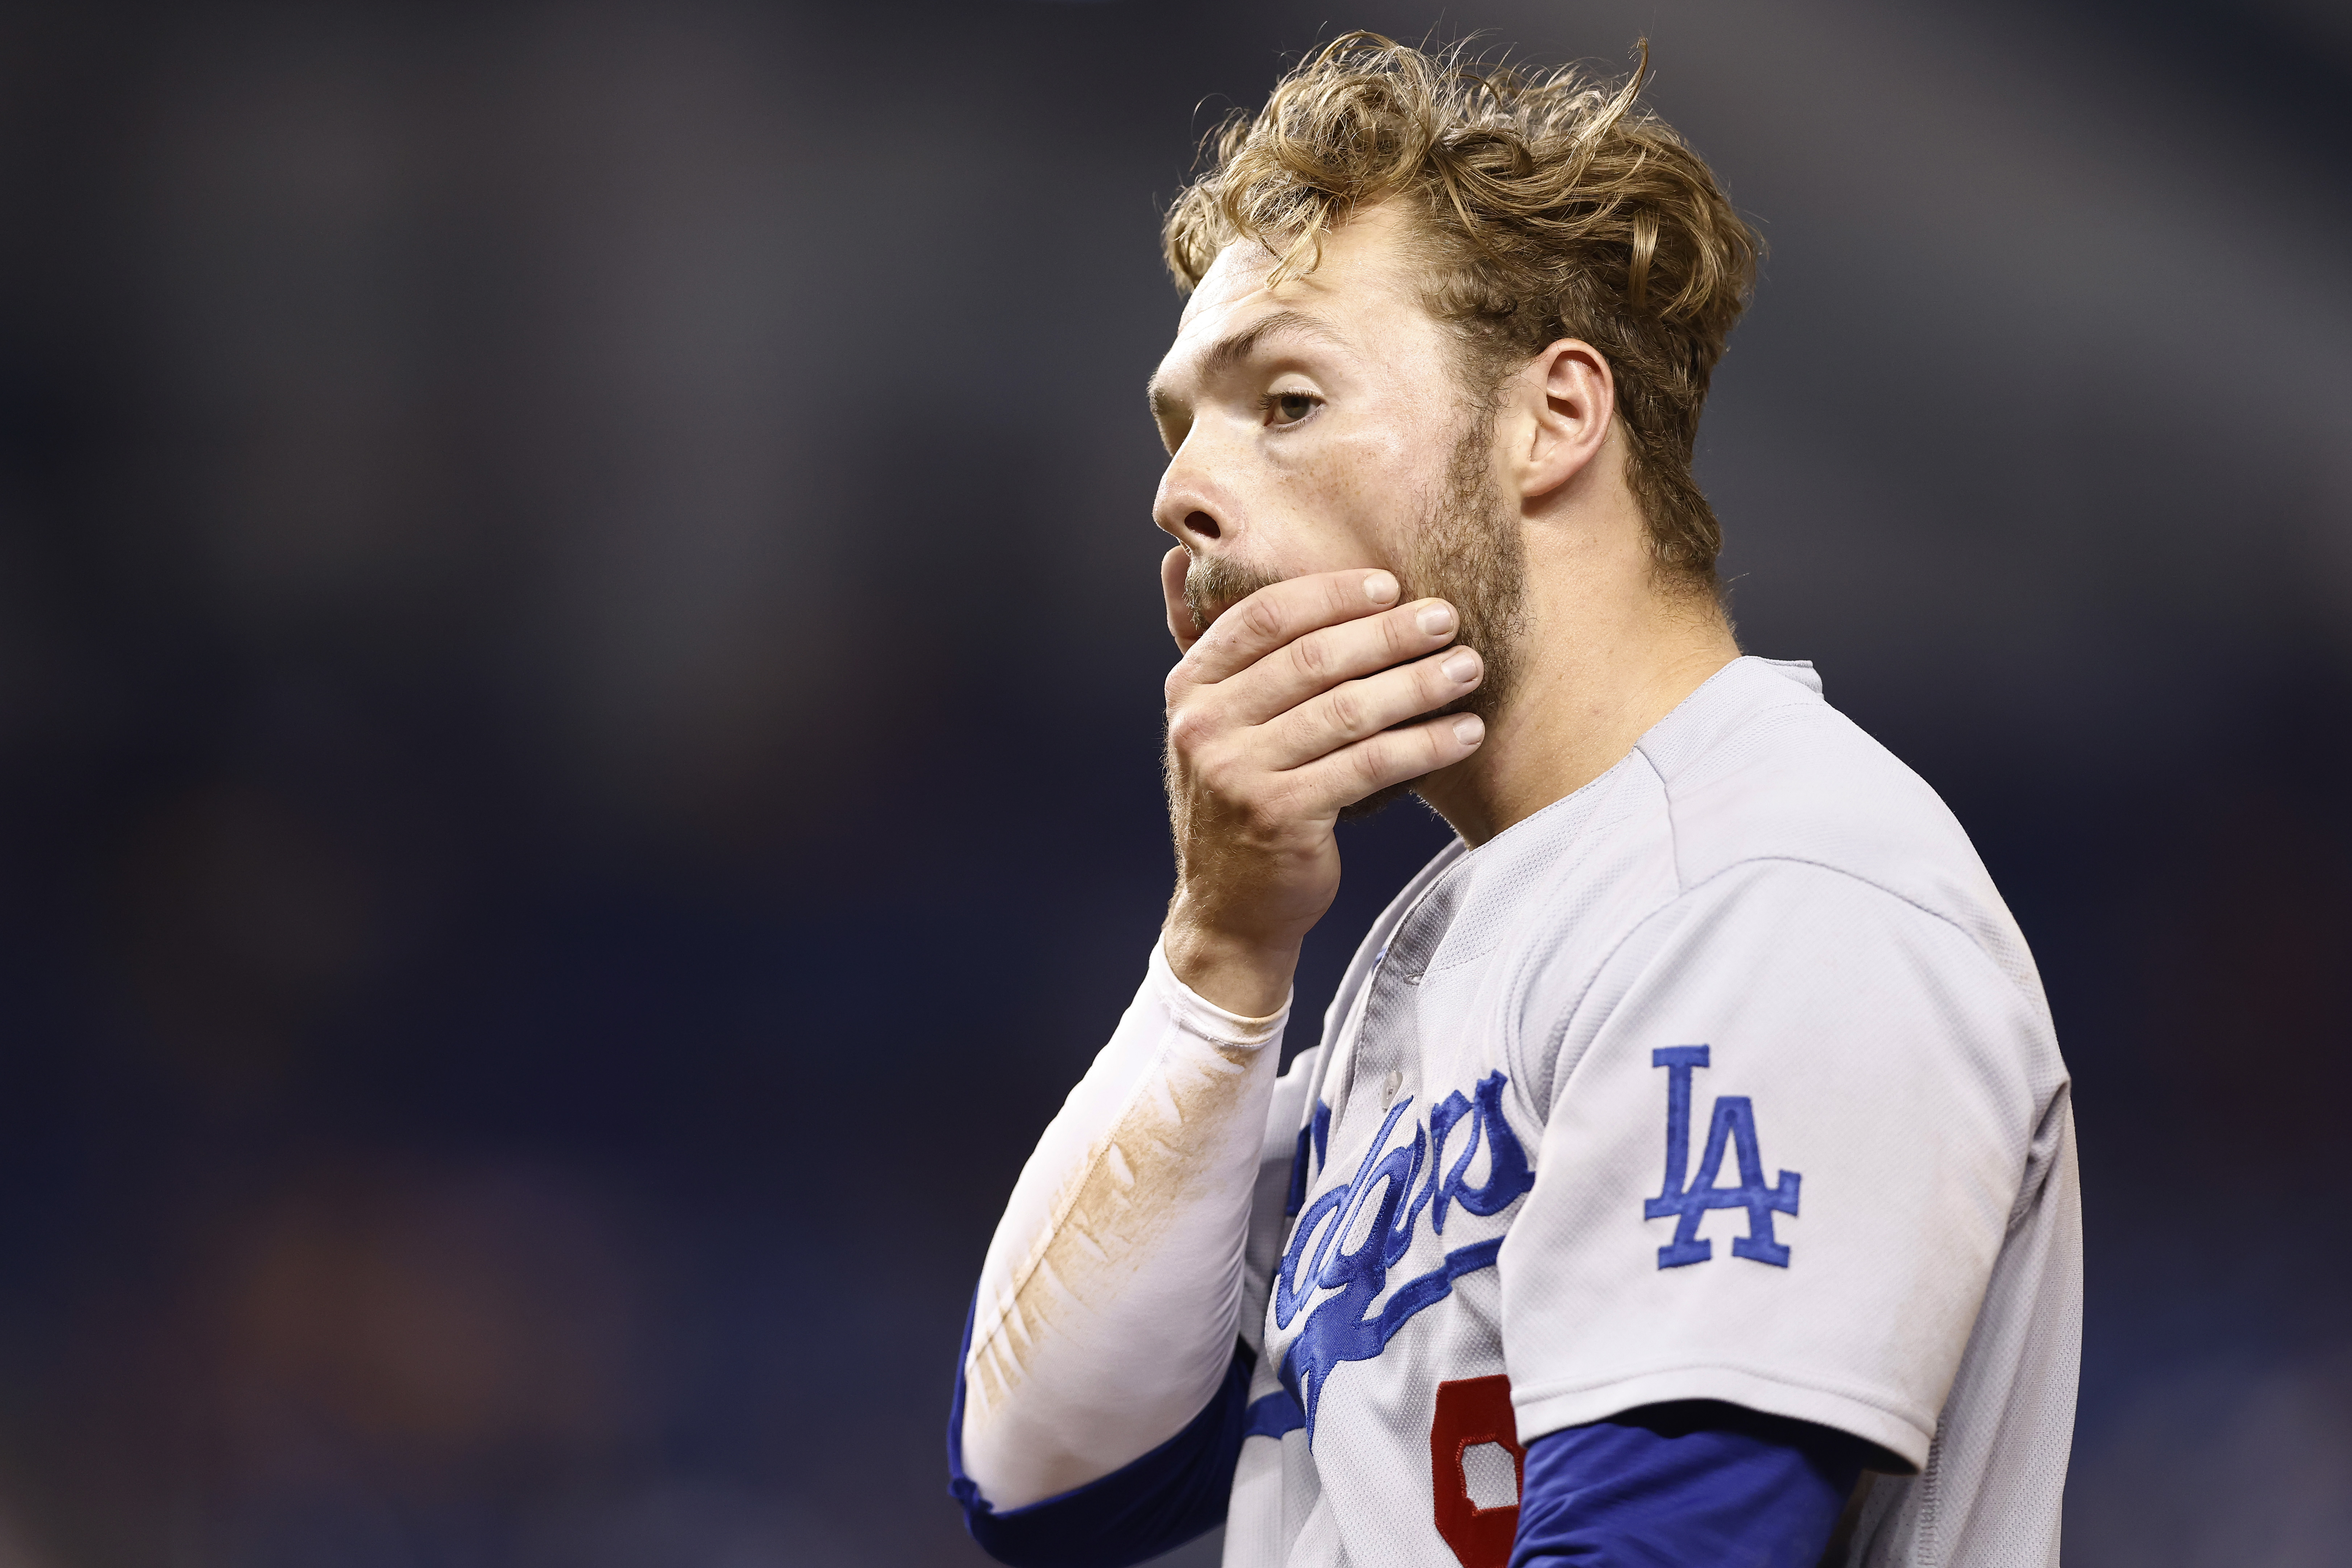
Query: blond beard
x: 1467, y: 551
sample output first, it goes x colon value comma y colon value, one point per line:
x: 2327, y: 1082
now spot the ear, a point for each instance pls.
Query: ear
x: 1566, y: 399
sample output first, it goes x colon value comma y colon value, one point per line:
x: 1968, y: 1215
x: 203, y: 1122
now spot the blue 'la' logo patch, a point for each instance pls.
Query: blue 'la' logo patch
x: 1733, y: 1127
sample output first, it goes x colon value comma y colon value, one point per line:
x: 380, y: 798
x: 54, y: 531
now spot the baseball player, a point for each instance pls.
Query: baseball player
x: 1685, y: 1171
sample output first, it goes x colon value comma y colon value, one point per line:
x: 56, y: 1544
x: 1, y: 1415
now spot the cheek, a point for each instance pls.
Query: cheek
x: 1373, y: 484
x: 1365, y: 476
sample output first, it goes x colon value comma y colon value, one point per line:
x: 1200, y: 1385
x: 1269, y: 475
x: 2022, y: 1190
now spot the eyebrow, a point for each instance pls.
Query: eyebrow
x: 1232, y: 350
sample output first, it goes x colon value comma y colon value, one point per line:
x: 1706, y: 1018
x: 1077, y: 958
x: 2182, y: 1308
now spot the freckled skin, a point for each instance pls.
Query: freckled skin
x: 1347, y: 494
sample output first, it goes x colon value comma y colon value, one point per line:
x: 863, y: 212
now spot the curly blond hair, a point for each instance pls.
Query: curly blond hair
x: 1550, y: 205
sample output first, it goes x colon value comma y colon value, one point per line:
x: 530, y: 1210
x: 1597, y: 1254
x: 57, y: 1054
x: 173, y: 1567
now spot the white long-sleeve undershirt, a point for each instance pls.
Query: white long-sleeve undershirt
x: 1111, y: 1296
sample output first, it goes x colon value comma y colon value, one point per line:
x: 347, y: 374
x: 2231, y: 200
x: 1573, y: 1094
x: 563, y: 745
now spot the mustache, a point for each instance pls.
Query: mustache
x: 1215, y: 583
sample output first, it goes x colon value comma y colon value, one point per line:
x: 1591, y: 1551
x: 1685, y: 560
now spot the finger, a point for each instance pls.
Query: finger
x: 1172, y: 568
x: 1280, y: 612
x: 1356, y: 709
x: 1321, y: 659
x: 1332, y: 783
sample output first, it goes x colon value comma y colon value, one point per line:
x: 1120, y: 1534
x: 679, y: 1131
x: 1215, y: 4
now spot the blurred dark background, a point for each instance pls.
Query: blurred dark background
x: 579, y: 661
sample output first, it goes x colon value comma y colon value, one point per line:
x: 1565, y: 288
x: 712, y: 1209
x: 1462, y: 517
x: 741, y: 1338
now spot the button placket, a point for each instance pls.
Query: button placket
x: 1388, y: 1038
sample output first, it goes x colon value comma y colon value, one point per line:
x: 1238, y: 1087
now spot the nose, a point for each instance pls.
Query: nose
x: 1189, y: 508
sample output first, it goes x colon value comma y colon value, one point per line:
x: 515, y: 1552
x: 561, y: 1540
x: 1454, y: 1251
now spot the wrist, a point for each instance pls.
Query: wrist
x: 1244, y: 975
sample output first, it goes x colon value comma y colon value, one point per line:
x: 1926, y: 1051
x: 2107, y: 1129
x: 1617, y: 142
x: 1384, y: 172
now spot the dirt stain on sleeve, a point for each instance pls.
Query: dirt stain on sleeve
x: 1180, y: 1139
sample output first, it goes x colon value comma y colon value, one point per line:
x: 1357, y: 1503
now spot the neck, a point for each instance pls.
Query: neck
x: 1606, y: 654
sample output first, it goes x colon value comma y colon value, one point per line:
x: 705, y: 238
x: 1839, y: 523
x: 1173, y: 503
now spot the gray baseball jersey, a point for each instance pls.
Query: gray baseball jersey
x: 1728, y: 1077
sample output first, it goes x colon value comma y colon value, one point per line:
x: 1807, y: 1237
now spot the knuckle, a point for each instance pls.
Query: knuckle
x: 1259, y: 617
x: 1221, y: 773
x: 1310, y: 655
x: 1346, y: 711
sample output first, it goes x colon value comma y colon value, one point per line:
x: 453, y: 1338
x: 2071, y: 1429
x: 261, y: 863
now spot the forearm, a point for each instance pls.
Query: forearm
x: 1107, y: 1306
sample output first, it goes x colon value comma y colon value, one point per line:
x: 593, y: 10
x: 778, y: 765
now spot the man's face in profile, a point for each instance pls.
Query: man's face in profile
x: 1322, y: 424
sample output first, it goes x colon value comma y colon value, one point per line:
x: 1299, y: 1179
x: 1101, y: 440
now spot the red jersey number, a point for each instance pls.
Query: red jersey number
x: 1472, y: 1410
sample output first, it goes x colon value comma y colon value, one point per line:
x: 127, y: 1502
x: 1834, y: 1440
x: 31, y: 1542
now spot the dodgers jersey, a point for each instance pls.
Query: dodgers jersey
x: 1727, y: 1077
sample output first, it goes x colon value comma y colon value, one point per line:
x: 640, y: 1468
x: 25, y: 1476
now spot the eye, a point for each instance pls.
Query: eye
x: 1289, y: 407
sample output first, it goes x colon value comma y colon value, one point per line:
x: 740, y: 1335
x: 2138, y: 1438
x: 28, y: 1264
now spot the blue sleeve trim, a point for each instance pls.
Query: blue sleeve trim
x: 1693, y: 1481
x: 1149, y: 1506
